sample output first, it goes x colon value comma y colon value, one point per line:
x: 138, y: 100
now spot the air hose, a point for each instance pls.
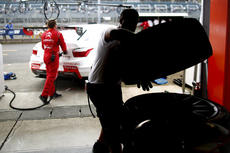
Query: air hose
x: 90, y: 107
x: 45, y: 9
x: 33, y: 108
x: 27, y: 109
x: 21, y: 109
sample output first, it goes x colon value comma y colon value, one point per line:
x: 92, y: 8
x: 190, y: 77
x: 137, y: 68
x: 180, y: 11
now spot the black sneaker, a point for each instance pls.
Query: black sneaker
x: 100, y: 147
x: 56, y: 95
x: 44, y: 99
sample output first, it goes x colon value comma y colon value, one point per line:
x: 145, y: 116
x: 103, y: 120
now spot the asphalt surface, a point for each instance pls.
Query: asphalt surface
x: 17, y: 53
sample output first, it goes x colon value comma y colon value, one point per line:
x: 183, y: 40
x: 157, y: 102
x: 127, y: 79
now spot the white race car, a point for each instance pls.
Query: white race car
x: 81, y: 49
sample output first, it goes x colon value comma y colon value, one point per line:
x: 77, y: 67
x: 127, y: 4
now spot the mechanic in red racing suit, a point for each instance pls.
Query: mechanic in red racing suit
x: 51, y: 39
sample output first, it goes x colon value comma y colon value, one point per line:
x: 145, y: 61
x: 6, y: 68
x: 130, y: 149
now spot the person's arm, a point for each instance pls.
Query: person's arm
x: 63, y: 44
x: 6, y: 26
x: 118, y: 34
x: 42, y: 42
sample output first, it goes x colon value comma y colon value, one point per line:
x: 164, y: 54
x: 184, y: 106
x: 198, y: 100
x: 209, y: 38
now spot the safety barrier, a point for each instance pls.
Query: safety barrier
x: 18, y: 36
x: 11, y: 32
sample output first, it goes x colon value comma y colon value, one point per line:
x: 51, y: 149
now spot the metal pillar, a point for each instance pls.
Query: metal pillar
x: 205, y: 20
x: 219, y: 63
x: 99, y: 12
x: 2, y: 89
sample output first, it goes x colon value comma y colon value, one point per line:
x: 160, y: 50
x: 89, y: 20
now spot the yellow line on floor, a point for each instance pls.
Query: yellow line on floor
x: 9, y: 50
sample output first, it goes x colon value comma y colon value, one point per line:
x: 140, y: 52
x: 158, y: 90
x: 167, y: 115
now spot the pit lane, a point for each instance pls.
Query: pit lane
x: 73, y: 103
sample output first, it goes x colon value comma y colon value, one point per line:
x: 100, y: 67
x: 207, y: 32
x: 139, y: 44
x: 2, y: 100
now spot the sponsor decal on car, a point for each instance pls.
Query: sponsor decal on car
x: 35, y: 65
x: 70, y: 64
x: 72, y: 68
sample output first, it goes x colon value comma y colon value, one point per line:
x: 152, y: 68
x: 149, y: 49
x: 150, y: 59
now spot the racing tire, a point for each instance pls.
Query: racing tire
x: 175, y: 123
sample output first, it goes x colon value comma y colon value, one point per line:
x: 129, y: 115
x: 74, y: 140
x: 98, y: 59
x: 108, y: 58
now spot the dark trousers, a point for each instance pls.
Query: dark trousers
x: 109, y: 105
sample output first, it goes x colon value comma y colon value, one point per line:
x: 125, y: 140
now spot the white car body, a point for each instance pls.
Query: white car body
x: 69, y: 64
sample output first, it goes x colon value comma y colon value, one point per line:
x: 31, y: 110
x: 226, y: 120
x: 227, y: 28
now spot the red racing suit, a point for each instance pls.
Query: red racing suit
x: 145, y: 25
x: 51, y: 39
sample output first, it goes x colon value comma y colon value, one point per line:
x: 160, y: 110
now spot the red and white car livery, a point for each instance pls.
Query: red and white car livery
x: 81, y: 49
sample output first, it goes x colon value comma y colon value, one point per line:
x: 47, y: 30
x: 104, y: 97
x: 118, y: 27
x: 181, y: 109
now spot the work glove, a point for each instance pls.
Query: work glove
x: 146, y: 85
x: 60, y: 54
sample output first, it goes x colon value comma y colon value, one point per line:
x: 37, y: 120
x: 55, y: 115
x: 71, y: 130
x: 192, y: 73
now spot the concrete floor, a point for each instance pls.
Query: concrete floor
x: 64, y: 126
x: 37, y: 132
x: 68, y: 135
